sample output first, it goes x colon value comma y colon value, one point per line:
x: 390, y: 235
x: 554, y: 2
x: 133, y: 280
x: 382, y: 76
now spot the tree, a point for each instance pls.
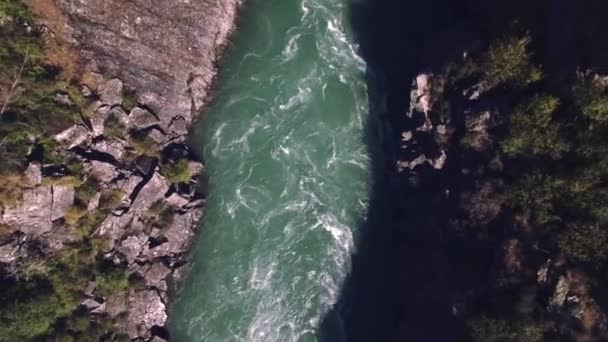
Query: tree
x: 532, y: 130
x: 509, y: 61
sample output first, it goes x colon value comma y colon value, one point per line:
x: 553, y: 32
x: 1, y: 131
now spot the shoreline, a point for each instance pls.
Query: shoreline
x: 133, y: 144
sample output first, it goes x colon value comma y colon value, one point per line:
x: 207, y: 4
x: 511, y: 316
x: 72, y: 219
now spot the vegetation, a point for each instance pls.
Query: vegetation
x: 553, y: 147
x: 177, y: 171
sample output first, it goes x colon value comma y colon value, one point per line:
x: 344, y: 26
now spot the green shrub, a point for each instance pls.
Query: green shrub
x: 177, y: 171
x: 591, y: 98
x: 112, y: 281
x: 509, y: 61
x: 539, y: 194
x: 585, y: 242
x: 532, y: 130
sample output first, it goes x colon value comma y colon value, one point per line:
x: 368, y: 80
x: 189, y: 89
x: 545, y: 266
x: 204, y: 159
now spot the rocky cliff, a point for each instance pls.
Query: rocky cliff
x: 145, y: 69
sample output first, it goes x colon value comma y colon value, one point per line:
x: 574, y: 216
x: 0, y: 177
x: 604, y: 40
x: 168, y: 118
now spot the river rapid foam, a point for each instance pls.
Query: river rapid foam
x: 288, y: 177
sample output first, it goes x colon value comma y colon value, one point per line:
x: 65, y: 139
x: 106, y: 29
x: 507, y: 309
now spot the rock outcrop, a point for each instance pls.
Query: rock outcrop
x: 146, y: 68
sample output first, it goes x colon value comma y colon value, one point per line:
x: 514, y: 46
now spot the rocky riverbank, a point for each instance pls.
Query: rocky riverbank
x: 145, y: 69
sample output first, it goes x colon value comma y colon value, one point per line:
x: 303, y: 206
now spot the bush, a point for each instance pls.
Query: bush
x: 509, y: 61
x: 585, y: 242
x: 540, y: 195
x: 591, y: 98
x: 111, y: 281
x: 533, y: 132
x: 177, y: 171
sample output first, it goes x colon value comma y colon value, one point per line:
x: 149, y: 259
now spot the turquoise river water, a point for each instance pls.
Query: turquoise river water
x: 288, y: 177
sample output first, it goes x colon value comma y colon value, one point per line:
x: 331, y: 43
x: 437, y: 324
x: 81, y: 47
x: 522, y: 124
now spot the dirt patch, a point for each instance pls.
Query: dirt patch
x: 59, y: 51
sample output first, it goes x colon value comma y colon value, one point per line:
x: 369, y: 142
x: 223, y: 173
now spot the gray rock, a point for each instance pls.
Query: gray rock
x: 104, y: 172
x: 146, y: 310
x: 111, y: 146
x: 132, y: 246
x: 154, y: 190
x: 90, y: 304
x: 119, y: 114
x: 94, y: 202
x: 195, y: 168
x: 33, y: 216
x: 114, y: 228
x: 155, y: 276
x: 110, y: 92
x: 560, y: 293
x: 176, y: 200
x: 128, y: 185
x: 179, y: 126
x: 157, y: 136
x: 142, y: 119
x: 175, y: 70
x: 178, y: 235
x: 73, y: 136
x: 63, y: 199
x: 33, y: 174
x: 9, y: 252
x: 98, y: 120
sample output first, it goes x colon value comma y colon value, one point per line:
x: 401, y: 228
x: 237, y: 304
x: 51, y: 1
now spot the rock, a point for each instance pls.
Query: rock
x: 63, y: 99
x: 179, y: 126
x: 475, y: 92
x: 157, y: 136
x: 110, y: 92
x: 9, y: 252
x: 90, y: 304
x: 141, y: 118
x: 422, y: 95
x: 98, y: 120
x: 132, y: 246
x: 114, y: 228
x: 73, y: 136
x: 33, y: 174
x: 155, y: 276
x: 115, y: 305
x: 406, y: 136
x: 63, y: 199
x: 91, y: 286
x: 154, y: 190
x: 103, y: 172
x: 175, y: 71
x: 176, y: 200
x: 439, y: 162
x: 402, y: 165
x: 94, y: 202
x: 177, y: 236
x: 560, y: 293
x: 86, y: 91
x: 195, y: 168
x: 146, y: 310
x: 110, y: 146
x: 127, y: 186
x: 158, y: 339
x: 120, y: 115
x: 33, y: 216
x: 542, y: 276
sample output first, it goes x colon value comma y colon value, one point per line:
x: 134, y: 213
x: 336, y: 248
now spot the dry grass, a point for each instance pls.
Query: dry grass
x: 11, y: 190
x: 58, y: 51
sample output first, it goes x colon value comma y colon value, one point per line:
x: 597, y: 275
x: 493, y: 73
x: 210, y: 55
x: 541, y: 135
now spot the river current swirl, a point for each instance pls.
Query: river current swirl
x: 288, y: 172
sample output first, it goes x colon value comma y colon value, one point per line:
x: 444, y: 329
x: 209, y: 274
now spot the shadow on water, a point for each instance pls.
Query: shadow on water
x: 406, y: 268
x: 398, y: 289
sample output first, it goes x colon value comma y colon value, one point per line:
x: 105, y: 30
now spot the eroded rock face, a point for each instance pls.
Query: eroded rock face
x: 33, y: 216
x: 166, y: 50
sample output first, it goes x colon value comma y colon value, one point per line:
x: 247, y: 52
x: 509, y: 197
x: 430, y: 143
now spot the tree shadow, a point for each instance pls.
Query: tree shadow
x: 407, y: 267
x: 399, y: 286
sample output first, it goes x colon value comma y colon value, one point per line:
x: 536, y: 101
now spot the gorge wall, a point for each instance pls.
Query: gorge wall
x: 127, y: 205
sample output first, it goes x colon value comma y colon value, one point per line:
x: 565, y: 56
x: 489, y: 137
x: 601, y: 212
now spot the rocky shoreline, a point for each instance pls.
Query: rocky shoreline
x: 146, y: 68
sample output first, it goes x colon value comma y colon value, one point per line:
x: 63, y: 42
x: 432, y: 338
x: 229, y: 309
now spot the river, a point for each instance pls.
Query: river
x: 288, y: 173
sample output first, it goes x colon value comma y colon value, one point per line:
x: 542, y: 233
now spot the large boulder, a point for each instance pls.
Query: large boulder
x: 33, y: 215
x: 154, y: 190
x: 63, y: 199
x: 146, y: 310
